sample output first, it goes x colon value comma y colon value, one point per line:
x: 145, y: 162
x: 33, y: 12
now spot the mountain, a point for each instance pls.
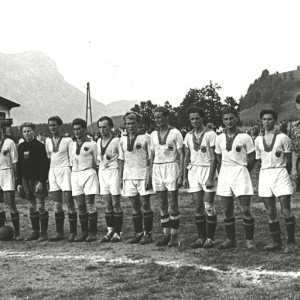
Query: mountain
x: 276, y: 91
x: 32, y: 80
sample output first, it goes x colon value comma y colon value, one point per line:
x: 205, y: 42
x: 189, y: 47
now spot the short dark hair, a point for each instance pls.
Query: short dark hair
x: 297, y: 100
x: 132, y: 116
x: 57, y: 119
x: 108, y: 119
x: 80, y: 122
x: 27, y: 124
x: 229, y: 110
x: 269, y: 112
x: 195, y: 110
x: 163, y: 110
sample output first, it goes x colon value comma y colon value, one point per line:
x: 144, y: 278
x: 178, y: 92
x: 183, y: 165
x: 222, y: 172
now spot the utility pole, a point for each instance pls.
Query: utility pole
x: 88, y: 107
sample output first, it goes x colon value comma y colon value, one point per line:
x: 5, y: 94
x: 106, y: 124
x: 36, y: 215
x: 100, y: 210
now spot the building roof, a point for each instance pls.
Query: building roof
x: 8, y: 103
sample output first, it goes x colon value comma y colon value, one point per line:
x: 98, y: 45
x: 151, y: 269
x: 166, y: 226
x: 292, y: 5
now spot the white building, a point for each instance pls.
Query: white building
x: 5, y: 119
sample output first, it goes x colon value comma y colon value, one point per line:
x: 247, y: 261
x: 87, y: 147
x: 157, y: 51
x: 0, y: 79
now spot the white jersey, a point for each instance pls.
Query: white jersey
x: 8, y: 154
x: 84, y: 156
x: 136, y: 159
x: 166, y: 148
x: 235, y: 153
x: 58, y: 154
x: 199, y: 148
x: 272, y: 156
x: 108, y: 157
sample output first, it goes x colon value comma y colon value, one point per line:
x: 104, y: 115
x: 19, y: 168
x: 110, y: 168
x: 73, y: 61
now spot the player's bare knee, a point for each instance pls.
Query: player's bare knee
x: 82, y: 209
x: 287, y: 213
x: 58, y: 207
x: 146, y: 207
x: 247, y: 212
x: 91, y: 208
x: 210, y: 209
x: 173, y: 209
x: 272, y: 214
x: 199, y: 210
x: 41, y: 208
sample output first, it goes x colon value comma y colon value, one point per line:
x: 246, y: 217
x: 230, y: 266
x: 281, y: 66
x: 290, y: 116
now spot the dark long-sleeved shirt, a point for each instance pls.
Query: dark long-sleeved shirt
x: 33, y: 162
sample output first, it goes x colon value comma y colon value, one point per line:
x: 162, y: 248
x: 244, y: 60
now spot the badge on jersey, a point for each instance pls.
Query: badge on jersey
x: 203, y: 149
x: 278, y: 153
x: 238, y: 148
x: 5, y: 152
x: 170, y: 148
x: 26, y: 154
x: 138, y: 146
x: 86, y: 148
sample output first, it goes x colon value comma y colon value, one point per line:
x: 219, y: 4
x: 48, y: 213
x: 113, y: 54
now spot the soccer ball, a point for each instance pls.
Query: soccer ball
x: 6, y: 233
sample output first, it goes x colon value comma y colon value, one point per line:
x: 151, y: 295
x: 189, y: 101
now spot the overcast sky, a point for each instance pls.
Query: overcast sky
x: 158, y: 50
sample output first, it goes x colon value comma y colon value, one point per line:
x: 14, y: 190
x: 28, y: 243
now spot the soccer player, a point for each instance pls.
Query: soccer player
x: 57, y: 148
x: 109, y: 178
x: 273, y: 152
x: 236, y: 158
x: 166, y: 148
x: 8, y: 169
x: 84, y: 181
x: 295, y: 138
x: 135, y: 179
x: 40, y: 137
x: 32, y: 174
x: 200, y: 176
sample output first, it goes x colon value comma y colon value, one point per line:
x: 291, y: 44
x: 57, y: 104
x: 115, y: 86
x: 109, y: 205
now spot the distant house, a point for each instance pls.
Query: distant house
x: 5, y: 119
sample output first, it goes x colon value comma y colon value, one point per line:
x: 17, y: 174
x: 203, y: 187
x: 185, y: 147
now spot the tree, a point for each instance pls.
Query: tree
x: 146, y: 109
x: 206, y: 98
x: 230, y: 101
x: 173, y: 119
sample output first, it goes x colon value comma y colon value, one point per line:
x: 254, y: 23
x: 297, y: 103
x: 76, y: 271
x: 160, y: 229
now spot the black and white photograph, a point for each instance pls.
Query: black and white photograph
x: 149, y: 149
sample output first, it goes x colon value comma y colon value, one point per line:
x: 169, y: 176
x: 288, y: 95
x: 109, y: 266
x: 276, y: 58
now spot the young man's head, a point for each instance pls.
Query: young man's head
x: 196, y: 116
x: 27, y: 129
x: 79, y: 128
x: 132, y: 120
x: 105, y: 125
x: 161, y: 116
x: 269, y: 118
x: 230, y: 117
x: 54, y: 124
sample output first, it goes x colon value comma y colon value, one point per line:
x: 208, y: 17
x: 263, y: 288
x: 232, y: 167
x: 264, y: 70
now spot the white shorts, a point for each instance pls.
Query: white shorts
x: 234, y: 181
x: 109, y: 182
x: 7, y: 180
x: 133, y: 187
x: 165, y: 177
x: 197, y: 177
x: 60, y: 179
x: 85, y: 182
x: 274, y: 182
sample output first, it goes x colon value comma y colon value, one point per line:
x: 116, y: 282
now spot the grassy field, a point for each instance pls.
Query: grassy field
x: 31, y: 270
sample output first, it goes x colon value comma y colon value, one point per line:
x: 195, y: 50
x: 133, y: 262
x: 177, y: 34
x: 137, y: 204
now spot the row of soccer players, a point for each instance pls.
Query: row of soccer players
x: 136, y: 163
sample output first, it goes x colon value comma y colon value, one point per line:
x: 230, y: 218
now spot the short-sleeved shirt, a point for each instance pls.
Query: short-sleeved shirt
x: 8, y: 154
x: 273, y: 156
x: 295, y: 138
x: 166, y: 152
x: 241, y: 146
x: 200, y: 154
x: 84, y: 156
x: 109, y: 159
x: 135, y: 161
x: 58, y: 154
